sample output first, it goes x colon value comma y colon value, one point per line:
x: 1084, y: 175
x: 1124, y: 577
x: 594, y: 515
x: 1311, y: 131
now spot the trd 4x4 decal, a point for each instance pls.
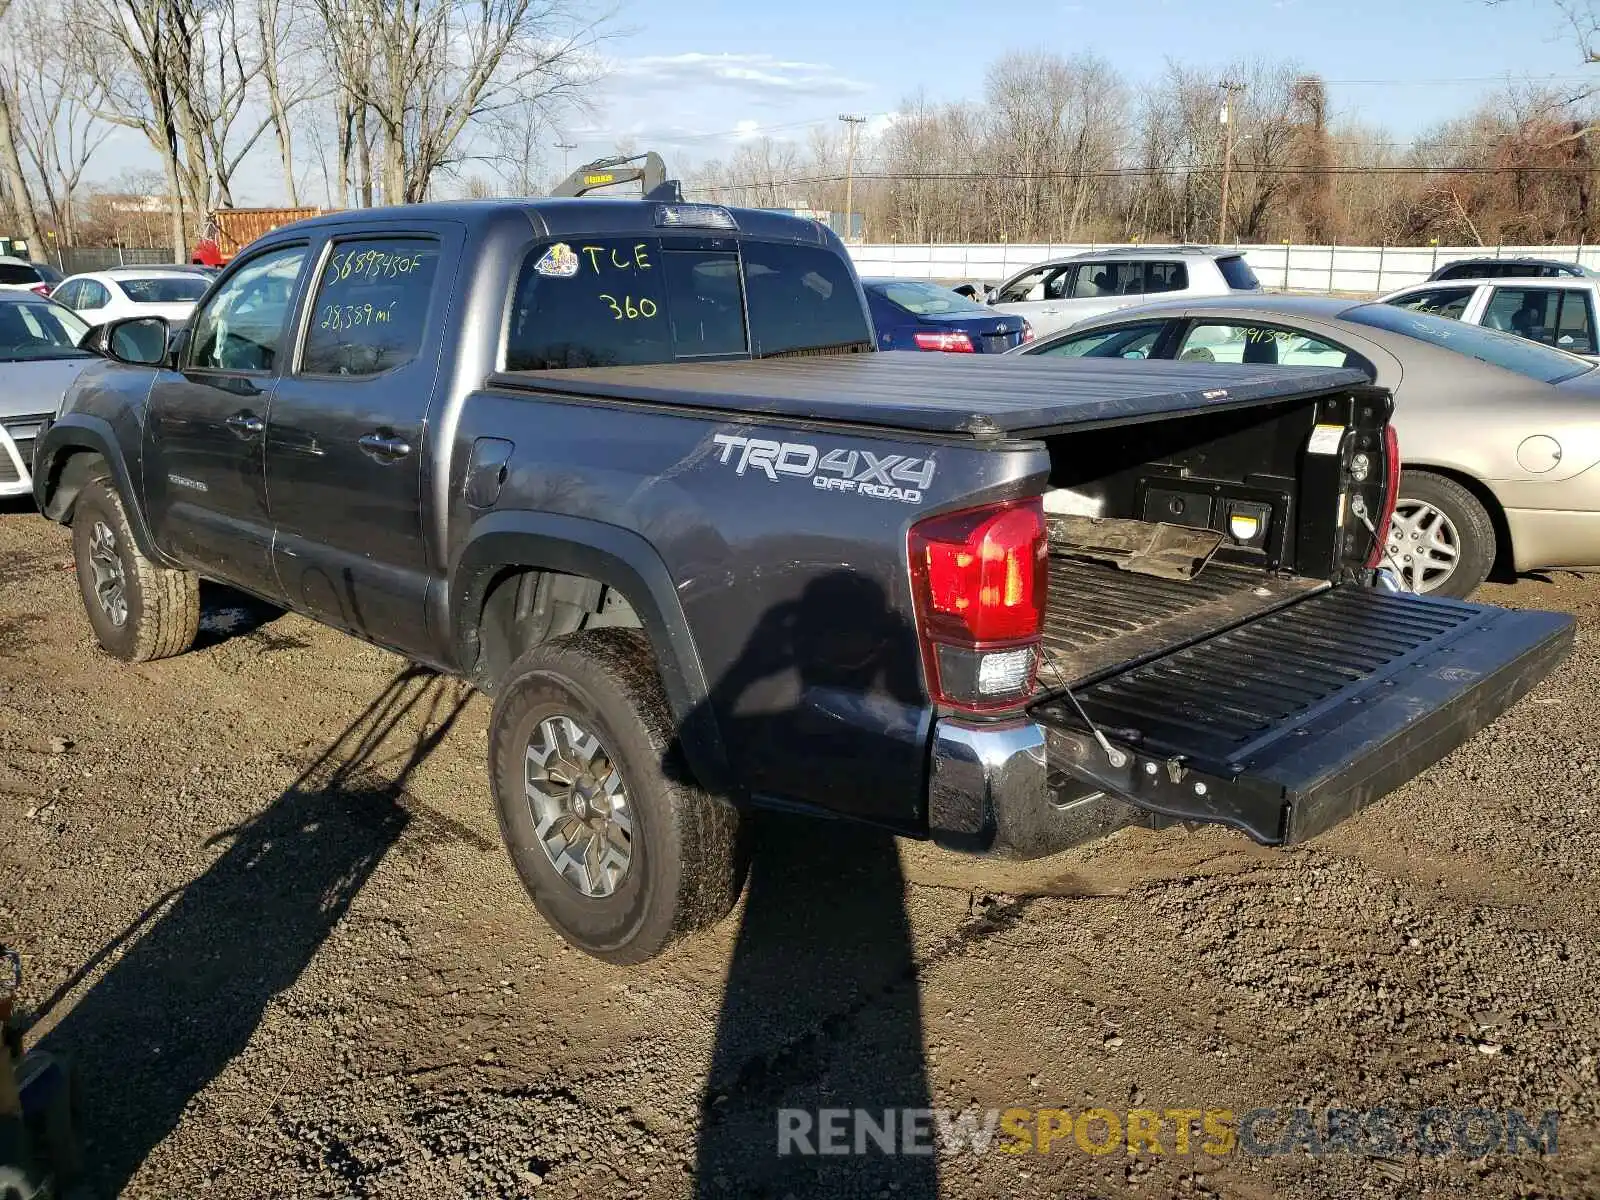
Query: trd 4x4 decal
x: 881, y: 476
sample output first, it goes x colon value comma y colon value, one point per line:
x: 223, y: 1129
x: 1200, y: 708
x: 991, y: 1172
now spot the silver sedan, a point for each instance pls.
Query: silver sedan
x: 1500, y: 436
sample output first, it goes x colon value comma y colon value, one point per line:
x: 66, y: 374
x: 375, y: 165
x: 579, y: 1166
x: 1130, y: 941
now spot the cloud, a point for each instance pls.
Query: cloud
x: 756, y: 76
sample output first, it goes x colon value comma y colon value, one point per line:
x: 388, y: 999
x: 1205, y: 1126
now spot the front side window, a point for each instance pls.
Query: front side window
x: 67, y: 294
x: 1261, y: 345
x: 1442, y: 302
x: 1027, y: 286
x: 370, y: 312
x: 242, y: 327
x: 1123, y: 341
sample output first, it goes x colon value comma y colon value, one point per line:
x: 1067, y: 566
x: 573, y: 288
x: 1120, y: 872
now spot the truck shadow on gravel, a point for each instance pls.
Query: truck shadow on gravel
x: 822, y: 1005
x: 200, y: 967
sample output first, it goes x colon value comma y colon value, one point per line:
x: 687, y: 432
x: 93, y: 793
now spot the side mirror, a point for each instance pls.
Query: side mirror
x: 991, y: 296
x: 137, y: 341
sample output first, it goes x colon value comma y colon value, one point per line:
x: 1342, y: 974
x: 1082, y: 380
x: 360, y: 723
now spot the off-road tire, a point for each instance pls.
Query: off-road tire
x: 163, y: 605
x: 1473, y: 526
x: 688, y: 854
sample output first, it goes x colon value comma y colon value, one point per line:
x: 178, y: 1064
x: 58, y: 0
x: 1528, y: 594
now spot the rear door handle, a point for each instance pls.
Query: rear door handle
x: 246, y: 423
x: 385, y: 445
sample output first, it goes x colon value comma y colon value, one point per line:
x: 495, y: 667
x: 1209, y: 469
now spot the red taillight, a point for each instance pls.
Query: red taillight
x: 41, y: 289
x: 1391, y: 493
x: 950, y: 343
x: 980, y: 579
x: 1027, y: 333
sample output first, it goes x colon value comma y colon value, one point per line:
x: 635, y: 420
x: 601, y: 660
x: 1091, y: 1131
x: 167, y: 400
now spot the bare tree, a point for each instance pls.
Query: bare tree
x: 15, y: 182
x: 429, y: 72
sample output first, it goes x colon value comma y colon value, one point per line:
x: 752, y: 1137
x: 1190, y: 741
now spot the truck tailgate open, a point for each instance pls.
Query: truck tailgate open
x: 1286, y: 724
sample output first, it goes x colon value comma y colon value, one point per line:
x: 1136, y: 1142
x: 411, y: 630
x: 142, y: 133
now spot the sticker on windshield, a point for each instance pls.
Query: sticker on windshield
x: 1325, y: 439
x: 559, y: 262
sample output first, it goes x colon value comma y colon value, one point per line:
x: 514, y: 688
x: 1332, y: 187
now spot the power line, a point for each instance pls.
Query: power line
x: 1134, y: 173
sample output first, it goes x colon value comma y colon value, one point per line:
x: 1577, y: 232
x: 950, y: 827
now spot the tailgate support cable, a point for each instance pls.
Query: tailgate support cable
x: 1113, y: 756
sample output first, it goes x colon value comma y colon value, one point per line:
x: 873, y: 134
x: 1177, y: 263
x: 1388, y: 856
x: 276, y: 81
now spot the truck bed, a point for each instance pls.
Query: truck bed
x: 1101, y: 618
x: 980, y: 395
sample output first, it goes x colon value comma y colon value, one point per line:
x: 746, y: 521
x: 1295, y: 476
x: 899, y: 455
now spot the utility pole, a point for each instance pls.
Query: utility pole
x: 566, y: 148
x: 1229, y: 87
x: 852, y: 123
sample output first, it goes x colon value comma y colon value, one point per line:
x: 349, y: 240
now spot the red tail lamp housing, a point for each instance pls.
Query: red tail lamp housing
x: 980, y: 579
x: 950, y: 343
x: 1391, y: 494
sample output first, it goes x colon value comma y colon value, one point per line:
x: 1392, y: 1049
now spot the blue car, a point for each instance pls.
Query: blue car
x: 910, y: 314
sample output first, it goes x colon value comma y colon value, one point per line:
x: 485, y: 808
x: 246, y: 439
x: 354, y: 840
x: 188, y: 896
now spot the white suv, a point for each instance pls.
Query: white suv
x: 1060, y: 293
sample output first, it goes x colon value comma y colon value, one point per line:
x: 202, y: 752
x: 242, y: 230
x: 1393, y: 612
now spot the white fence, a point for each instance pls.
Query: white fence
x: 1365, y: 269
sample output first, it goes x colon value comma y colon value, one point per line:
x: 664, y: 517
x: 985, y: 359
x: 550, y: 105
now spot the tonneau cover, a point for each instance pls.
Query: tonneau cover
x: 984, y: 395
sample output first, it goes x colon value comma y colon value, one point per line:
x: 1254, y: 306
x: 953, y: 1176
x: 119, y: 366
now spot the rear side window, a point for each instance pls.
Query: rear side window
x: 371, y: 307
x: 1108, y: 279
x: 801, y: 298
x: 1238, y: 275
x: 1166, y: 277
x: 1557, y: 317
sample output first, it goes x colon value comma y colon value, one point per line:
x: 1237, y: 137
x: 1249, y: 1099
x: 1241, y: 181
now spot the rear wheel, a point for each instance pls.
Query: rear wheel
x: 1441, y: 541
x: 139, y: 610
x: 620, y: 853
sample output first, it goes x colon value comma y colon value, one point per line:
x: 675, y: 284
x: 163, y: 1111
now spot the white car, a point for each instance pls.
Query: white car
x: 102, y: 296
x: 40, y: 355
x: 1558, y: 311
x: 1056, y: 294
x: 25, y: 275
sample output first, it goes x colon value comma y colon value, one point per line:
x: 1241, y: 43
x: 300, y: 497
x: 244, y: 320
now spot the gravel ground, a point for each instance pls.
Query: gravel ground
x: 264, y: 884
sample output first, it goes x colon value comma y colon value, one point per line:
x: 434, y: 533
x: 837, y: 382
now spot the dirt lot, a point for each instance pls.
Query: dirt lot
x: 264, y: 882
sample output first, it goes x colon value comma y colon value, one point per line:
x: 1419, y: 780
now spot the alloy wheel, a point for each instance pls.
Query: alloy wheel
x: 580, y: 806
x: 1423, y: 546
x: 110, y: 585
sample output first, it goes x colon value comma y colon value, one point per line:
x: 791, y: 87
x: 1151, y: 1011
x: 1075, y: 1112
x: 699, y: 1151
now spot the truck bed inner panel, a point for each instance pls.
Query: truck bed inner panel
x: 1101, y: 617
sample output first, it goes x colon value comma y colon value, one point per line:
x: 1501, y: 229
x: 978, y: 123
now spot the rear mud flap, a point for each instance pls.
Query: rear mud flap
x: 1286, y: 725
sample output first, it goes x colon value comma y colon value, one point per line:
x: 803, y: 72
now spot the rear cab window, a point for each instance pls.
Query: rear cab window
x: 1237, y: 274
x: 628, y: 301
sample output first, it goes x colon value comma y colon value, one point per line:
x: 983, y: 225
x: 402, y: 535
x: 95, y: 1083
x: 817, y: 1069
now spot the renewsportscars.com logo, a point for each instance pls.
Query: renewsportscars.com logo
x: 881, y: 476
x: 1262, y: 1132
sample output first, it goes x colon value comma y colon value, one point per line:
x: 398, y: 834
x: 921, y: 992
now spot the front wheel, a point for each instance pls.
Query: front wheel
x: 620, y: 853
x: 139, y: 610
x: 1441, y: 541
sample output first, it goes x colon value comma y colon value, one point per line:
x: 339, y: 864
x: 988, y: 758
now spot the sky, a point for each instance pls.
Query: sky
x: 691, y: 78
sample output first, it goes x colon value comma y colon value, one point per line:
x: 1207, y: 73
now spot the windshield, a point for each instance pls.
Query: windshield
x: 1526, y: 358
x: 164, y: 289
x: 34, y: 331
x: 925, y: 299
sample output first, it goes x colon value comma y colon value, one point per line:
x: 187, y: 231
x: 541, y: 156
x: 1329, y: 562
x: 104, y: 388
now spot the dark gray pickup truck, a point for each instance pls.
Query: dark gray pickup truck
x: 633, y: 470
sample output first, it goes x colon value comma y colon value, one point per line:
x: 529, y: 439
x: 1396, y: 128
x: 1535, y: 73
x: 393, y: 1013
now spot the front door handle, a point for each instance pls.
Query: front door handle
x: 385, y: 445
x: 246, y: 423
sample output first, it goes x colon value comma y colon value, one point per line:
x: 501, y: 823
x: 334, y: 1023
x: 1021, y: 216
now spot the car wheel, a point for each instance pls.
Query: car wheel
x: 139, y: 610
x: 1441, y: 541
x: 620, y: 853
